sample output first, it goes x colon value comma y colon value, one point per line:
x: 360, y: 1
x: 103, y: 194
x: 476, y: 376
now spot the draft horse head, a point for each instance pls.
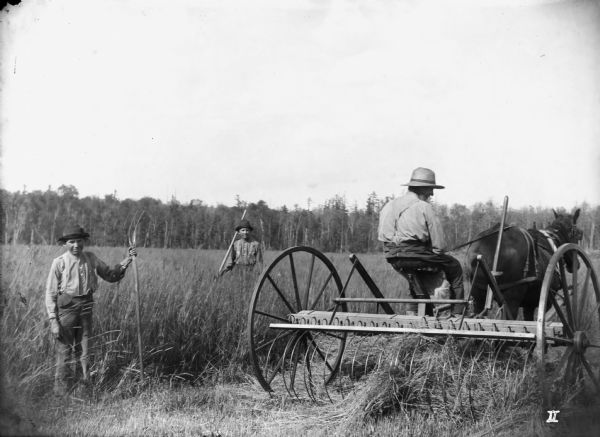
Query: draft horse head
x: 564, y: 230
x: 565, y: 227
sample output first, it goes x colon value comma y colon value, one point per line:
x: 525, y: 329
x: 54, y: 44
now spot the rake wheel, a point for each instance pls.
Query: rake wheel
x: 570, y: 294
x: 300, y: 278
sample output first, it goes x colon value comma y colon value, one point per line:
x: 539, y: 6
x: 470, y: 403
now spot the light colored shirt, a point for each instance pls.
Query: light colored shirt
x: 245, y: 253
x: 410, y: 219
x: 77, y: 276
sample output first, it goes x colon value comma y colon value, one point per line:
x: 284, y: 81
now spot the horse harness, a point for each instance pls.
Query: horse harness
x: 531, y: 270
x: 550, y: 238
x: 547, y: 243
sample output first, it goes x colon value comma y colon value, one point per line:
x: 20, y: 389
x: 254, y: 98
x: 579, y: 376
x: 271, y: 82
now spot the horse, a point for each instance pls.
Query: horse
x: 523, y: 257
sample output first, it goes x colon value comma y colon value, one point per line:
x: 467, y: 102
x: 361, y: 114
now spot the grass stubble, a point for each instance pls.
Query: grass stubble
x: 198, y: 378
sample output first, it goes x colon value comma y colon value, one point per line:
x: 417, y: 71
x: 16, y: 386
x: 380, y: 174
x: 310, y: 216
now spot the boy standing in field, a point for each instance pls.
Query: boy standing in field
x: 70, y: 286
x: 246, y: 250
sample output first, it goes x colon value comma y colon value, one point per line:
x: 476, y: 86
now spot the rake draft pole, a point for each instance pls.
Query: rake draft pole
x: 229, y: 248
x: 490, y: 294
x: 132, y: 243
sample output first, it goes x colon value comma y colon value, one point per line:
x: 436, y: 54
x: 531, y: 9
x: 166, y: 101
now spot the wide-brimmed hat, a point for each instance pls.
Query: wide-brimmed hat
x: 423, y: 177
x: 244, y: 224
x: 73, y: 232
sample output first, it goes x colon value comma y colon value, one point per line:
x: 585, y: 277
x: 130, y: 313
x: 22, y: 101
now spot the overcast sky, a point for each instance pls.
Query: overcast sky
x: 289, y: 100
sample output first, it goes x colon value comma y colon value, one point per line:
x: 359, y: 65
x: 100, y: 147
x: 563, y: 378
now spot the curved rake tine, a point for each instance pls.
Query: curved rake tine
x: 324, y: 356
x: 332, y: 370
x: 314, y: 350
x: 293, y: 361
x: 277, y: 366
x: 133, y: 225
x: 353, y: 370
x: 366, y: 365
x: 308, y: 373
x: 295, y: 356
x: 328, y: 379
x: 316, y: 346
x: 369, y: 354
x: 282, y: 361
x: 340, y: 375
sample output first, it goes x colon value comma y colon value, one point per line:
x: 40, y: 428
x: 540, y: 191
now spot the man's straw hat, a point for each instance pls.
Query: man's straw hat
x: 423, y: 177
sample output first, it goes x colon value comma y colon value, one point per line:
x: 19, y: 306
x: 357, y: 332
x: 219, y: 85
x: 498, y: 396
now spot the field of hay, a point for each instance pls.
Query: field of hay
x: 198, y: 378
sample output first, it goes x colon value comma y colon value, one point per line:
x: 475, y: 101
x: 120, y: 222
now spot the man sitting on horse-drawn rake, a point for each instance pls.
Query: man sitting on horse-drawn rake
x: 412, y: 235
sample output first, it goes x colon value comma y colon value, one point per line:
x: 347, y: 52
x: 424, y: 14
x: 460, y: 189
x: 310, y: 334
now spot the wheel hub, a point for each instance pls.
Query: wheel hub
x: 580, y: 342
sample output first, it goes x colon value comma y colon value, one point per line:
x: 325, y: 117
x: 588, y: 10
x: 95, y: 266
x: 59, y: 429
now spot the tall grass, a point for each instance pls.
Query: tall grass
x: 193, y: 327
x: 192, y: 324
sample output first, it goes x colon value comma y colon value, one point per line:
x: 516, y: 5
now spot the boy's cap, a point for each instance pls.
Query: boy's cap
x: 243, y: 224
x: 72, y: 233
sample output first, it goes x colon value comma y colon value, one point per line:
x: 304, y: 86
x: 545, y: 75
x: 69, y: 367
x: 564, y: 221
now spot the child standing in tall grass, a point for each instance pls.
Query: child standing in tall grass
x: 246, y: 250
x: 71, y: 283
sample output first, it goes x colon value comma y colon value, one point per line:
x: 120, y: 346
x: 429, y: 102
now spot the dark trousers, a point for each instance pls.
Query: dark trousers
x: 75, y: 318
x: 425, y: 258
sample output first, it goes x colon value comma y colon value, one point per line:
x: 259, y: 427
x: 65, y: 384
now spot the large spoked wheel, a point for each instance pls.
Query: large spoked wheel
x: 300, y: 278
x: 570, y: 295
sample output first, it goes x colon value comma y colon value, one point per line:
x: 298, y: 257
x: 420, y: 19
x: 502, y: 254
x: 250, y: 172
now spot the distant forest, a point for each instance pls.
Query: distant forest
x: 39, y: 217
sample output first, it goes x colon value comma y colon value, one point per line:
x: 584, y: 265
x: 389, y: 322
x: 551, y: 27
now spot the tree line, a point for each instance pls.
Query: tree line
x: 38, y: 217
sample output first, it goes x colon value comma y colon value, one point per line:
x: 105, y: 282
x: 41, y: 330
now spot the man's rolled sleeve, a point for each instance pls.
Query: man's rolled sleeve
x: 52, y: 286
x: 109, y: 274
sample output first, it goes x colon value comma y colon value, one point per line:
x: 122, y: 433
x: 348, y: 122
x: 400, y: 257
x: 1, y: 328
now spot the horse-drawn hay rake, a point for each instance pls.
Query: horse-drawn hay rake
x: 304, y: 338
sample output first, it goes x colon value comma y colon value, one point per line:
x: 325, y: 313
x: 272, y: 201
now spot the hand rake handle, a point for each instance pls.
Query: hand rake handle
x: 230, y: 246
x: 138, y: 319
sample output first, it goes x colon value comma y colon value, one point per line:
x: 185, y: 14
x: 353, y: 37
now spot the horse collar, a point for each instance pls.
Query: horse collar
x: 551, y: 237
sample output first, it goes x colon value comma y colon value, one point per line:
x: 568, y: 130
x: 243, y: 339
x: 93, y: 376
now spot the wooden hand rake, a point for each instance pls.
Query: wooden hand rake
x: 131, y: 235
